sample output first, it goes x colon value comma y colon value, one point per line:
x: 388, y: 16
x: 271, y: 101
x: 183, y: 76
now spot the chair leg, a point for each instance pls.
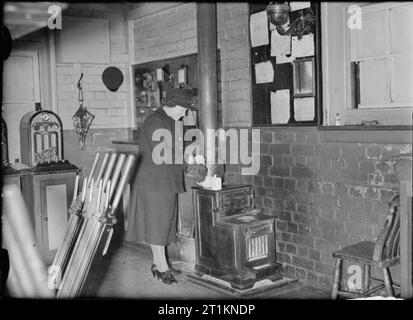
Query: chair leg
x: 336, y: 279
x: 387, y: 282
x: 366, y: 278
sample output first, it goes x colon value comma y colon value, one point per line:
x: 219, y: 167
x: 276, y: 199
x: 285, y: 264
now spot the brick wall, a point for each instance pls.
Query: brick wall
x: 172, y: 32
x: 111, y: 109
x: 233, y: 41
x: 167, y: 33
x: 324, y: 195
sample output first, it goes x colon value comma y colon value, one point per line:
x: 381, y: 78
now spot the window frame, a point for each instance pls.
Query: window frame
x: 336, y: 72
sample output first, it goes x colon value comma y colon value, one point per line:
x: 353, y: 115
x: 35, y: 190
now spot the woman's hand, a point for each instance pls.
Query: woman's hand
x: 197, y: 172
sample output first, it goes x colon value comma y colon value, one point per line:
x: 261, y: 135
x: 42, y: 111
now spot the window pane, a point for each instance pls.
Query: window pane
x: 370, y: 41
x: 303, y: 82
x: 402, y: 79
x: 373, y: 84
x: 307, y: 77
x: 402, y: 29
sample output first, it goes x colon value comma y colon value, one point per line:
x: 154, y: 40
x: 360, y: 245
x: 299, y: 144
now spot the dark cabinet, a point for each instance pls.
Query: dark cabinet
x: 234, y: 241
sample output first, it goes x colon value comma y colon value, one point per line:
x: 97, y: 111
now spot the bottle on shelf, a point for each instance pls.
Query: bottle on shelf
x: 338, y: 120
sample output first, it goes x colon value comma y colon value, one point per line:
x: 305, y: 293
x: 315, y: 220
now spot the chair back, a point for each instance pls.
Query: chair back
x: 388, y: 242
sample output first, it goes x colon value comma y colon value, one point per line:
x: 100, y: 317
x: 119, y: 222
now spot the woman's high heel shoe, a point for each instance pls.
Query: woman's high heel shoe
x: 173, y: 270
x: 154, y: 270
x: 166, y: 277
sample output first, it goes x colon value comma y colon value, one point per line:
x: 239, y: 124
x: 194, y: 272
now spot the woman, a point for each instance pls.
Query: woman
x: 155, y: 189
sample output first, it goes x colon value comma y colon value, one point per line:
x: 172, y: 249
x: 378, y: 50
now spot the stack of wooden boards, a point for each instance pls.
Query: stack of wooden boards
x: 90, y: 226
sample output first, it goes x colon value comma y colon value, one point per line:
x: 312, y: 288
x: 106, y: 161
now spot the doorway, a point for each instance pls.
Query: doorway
x: 21, y: 90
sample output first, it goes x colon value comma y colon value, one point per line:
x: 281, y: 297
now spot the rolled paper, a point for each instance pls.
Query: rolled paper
x: 84, y: 189
x: 116, y: 173
x: 92, y: 171
x: 125, y: 176
x: 91, y: 190
x: 100, y: 189
x: 102, y: 167
x: 107, y: 195
x: 105, y: 249
x: 75, y: 190
x: 109, y: 168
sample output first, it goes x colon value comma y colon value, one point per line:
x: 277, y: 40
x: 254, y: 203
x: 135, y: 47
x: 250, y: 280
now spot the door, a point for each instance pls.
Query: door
x: 21, y: 89
x: 53, y: 193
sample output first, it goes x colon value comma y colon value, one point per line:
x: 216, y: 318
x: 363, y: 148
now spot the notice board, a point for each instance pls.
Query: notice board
x: 285, y: 70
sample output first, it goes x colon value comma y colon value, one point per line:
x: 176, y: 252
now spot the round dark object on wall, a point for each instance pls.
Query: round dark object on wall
x: 112, y: 78
x: 6, y: 42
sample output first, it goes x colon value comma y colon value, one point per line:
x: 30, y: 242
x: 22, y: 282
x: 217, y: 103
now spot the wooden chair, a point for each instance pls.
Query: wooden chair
x: 383, y: 254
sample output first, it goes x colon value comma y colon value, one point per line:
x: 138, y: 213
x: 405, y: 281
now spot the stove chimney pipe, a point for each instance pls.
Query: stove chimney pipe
x: 207, y: 71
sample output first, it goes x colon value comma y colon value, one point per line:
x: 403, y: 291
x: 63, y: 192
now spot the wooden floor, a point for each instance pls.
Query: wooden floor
x: 125, y: 273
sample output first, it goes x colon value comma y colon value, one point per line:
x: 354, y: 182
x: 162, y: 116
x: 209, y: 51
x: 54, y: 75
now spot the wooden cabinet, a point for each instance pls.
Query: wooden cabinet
x: 48, y: 196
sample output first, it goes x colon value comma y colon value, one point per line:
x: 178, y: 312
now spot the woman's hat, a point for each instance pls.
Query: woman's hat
x: 112, y: 78
x: 180, y: 97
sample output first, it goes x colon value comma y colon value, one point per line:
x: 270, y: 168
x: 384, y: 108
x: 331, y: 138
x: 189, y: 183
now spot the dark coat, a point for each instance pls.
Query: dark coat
x: 153, y: 213
x: 159, y: 177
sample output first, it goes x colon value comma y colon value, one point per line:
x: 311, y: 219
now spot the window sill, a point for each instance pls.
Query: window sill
x: 369, y: 134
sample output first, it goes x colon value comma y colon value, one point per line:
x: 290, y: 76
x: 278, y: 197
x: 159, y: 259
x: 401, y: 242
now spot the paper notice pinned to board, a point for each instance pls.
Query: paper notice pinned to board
x: 304, y: 109
x: 264, y: 72
x: 298, y: 5
x: 303, y: 47
x: 280, y: 45
x: 280, y: 106
x: 259, y: 29
x: 284, y: 59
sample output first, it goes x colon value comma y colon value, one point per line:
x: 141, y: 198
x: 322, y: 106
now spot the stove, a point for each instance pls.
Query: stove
x: 235, y: 242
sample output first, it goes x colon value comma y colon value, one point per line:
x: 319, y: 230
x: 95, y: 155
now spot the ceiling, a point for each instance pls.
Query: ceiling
x: 22, y: 18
